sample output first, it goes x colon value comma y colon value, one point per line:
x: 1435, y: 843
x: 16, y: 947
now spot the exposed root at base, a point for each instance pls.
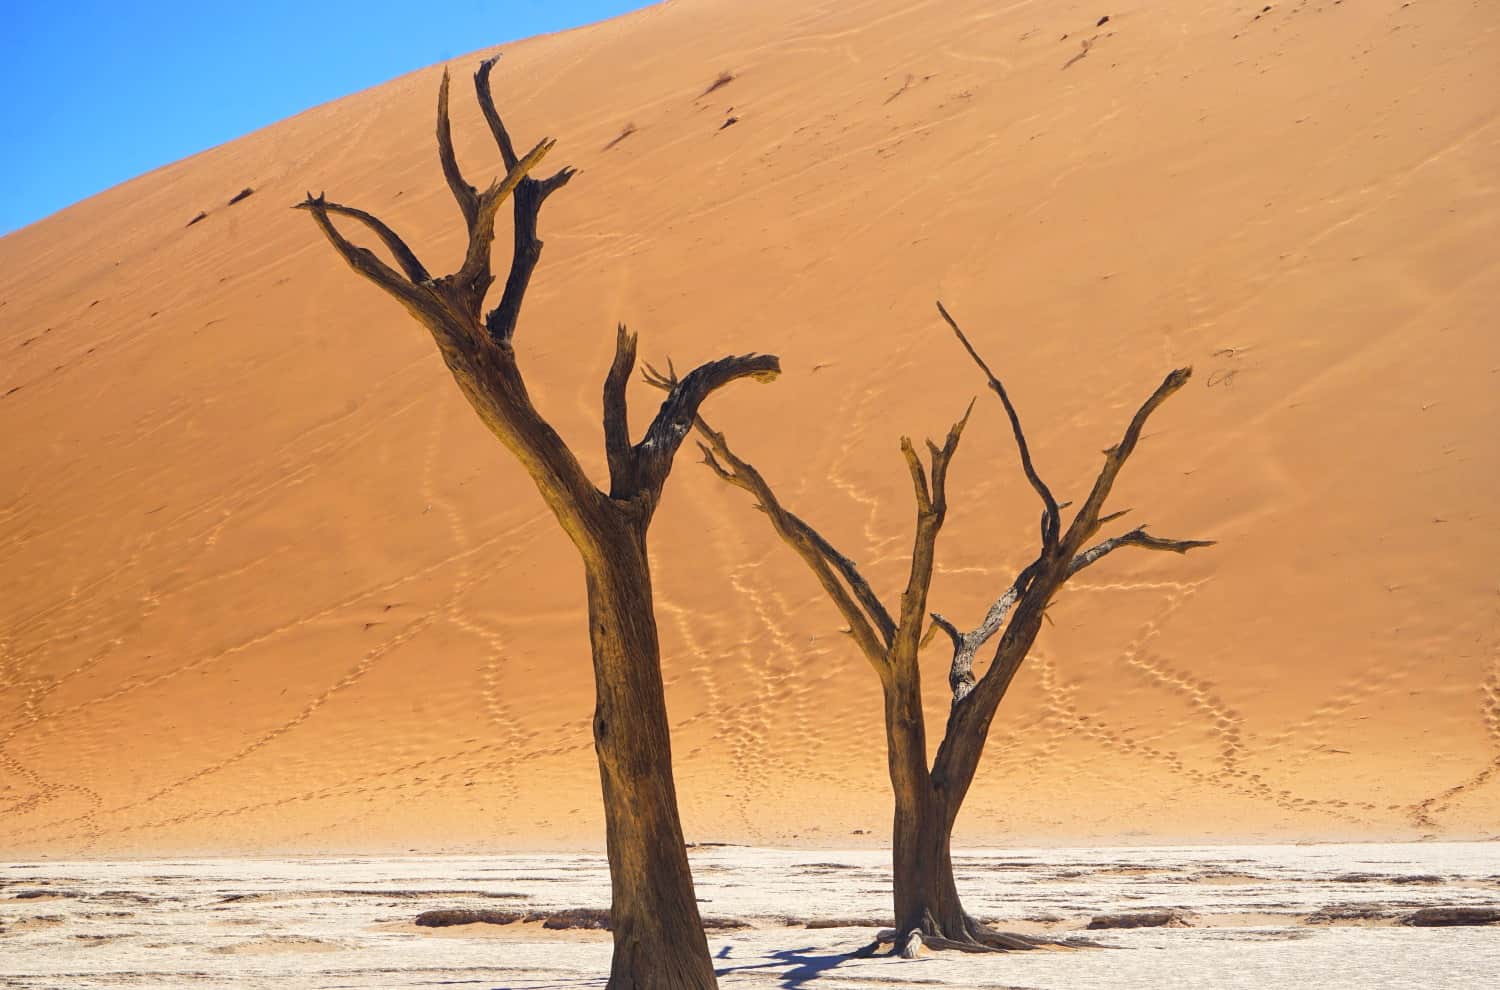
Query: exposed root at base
x: 981, y: 939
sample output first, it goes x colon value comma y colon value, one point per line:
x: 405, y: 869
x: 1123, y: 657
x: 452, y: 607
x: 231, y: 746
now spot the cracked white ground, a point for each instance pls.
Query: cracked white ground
x: 348, y: 922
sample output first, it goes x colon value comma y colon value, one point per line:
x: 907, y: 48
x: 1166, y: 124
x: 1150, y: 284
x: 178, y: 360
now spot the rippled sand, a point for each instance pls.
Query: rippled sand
x: 349, y: 922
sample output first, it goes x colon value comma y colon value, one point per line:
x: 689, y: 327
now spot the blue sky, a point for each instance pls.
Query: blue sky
x: 96, y: 93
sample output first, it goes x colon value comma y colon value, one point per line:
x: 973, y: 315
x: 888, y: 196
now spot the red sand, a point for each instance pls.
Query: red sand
x: 265, y: 582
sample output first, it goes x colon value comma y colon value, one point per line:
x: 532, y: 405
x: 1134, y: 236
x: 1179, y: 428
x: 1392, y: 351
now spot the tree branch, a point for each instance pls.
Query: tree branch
x: 474, y: 277
x: 1086, y: 523
x: 1050, y: 520
x: 486, y: 96
x: 617, y: 447
x: 941, y: 457
x: 466, y: 195
x: 849, y: 571
x: 966, y: 645
x: 528, y: 197
x: 918, y: 476
x: 655, y: 452
x: 869, y: 623
x: 1050, y: 573
x: 1026, y: 603
x: 932, y: 510
x: 363, y: 260
x: 941, y: 622
x: 491, y: 115
x: 405, y: 257
x: 1137, y: 537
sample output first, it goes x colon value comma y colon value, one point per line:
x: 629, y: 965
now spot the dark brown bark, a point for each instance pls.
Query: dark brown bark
x: 926, y: 896
x: 658, y: 934
x: 927, y: 800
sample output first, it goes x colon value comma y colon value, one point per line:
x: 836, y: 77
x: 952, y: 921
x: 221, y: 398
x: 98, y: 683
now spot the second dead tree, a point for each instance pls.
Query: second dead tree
x: 928, y: 798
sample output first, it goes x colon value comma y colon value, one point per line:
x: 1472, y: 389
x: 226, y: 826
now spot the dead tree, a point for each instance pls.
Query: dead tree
x: 658, y: 935
x: 928, y: 798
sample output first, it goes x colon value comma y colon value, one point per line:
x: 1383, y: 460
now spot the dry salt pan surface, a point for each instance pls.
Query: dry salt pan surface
x: 1324, y: 916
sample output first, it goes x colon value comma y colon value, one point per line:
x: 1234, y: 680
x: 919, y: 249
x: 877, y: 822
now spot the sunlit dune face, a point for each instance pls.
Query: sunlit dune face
x: 267, y: 584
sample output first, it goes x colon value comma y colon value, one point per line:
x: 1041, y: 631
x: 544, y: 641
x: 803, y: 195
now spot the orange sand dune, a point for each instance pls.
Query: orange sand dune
x: 266, y: 583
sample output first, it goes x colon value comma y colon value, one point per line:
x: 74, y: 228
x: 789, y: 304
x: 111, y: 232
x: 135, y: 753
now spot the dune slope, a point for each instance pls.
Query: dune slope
x: 266, y: 583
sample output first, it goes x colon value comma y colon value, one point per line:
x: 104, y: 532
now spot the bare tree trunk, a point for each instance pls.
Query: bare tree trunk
x: 915, y: 816
x: 658, y: 934
x: 926, y: 897
x: 921, y: 864
x: 926, y: 894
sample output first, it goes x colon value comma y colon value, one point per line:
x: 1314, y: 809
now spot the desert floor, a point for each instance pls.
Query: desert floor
x: 1255, y: 917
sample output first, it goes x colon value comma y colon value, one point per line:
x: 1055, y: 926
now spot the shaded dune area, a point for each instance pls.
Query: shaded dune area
x: 266, y: 583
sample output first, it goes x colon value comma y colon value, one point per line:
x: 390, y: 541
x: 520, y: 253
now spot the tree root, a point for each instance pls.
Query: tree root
x: 1010, y: 941
x: 980, y: 939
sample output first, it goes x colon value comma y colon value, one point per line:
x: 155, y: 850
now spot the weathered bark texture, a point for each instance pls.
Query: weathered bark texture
x: 928, y: 798
x: 658, y: 934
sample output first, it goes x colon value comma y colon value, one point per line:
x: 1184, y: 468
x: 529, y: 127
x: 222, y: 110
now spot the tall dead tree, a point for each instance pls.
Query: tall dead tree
x: 928, y: 798
x: 658, y: 935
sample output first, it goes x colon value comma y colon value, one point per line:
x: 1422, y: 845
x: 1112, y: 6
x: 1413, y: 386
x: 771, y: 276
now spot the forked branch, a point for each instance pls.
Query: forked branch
x: 1087, y: 522
x: 470, y: 283
x: 486, y: 96
x: 966, y: 644
x: 932, y: 511
x: 1020, y: 608
x: 474, y: 278
x: 463, y: 292
x: 415, y: 271
x: 364, y: 261
x: 642, y: 469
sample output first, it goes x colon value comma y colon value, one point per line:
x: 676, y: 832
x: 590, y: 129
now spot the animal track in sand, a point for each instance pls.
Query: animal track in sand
x: 448, y: 609
x: 350, y: 677
x: 1062, y: 719
x: 1220, y: 719
x: 1423, y: 814
x: 32, y: 715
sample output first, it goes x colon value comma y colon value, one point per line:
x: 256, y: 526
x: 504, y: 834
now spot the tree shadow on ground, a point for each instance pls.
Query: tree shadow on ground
x: 806, y: 964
